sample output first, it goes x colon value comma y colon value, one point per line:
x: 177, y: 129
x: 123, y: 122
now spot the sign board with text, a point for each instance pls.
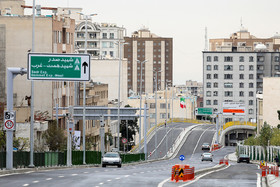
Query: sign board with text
x: 234, y: 108
x: 203, y: 111
x: 60, y: 67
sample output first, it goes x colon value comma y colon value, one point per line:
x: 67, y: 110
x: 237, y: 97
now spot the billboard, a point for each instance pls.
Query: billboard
x: 234, y: 108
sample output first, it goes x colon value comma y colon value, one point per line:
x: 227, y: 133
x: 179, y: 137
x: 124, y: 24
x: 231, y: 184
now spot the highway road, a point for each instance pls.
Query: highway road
x: 151, y: 173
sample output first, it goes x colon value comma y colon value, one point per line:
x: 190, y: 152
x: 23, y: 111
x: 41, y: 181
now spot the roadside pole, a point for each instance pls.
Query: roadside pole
x: 11, y: 74
x: 217, y: 129
x: 145, y: 130
x: 102, y: 130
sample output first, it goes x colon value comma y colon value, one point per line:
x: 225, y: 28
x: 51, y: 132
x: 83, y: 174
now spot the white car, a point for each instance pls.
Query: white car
x: 205, y: 146
x: 112, y: 159
x: 207, y: 157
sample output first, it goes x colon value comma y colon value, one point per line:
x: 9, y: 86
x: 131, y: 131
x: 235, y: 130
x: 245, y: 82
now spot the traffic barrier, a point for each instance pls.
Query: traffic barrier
x: 276, y: 171
x: 223, y: 161
x: 182, y: 172
x: 215, y: 147
x: 263, y: 172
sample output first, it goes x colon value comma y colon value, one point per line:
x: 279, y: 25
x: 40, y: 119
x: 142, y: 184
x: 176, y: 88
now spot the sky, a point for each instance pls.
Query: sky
x: 184, y: 21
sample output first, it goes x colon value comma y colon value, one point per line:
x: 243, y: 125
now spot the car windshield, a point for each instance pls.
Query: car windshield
x: 206, y: 144
x: 111, y: 155
x: 206, y: 154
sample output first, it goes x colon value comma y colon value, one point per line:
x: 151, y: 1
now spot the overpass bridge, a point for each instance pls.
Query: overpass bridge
x: 235, y: 131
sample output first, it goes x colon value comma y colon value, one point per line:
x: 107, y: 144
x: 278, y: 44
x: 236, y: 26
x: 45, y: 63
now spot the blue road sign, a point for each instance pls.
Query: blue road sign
x: 182, y: 157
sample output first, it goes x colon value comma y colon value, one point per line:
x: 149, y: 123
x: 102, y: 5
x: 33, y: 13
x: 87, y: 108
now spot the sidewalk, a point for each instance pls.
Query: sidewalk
x: 271, y: 180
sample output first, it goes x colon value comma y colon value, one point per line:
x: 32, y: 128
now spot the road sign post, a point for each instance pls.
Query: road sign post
x: 66, y: 67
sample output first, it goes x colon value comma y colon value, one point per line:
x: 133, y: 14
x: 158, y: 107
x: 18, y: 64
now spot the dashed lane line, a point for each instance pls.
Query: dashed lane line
x: 35, y: 181
x: 25, y: 185
x: 48, y: 179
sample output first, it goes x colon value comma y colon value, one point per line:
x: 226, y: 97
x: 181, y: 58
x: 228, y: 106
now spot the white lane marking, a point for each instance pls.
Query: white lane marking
x: 127, y: 176
x: 96, y: 171
x: 117, y: 178
x: 196, y: 179
x: 106, y: 170
x: 199, y: 141
x: 162, y: 182
x: 109, y: 180
x: 148, y: 171
x: 74, y: 174
x: 48, y: 179
x: 85, y: 172
x: 101, y: 183
x: 35, y: 181
x: 258, y: 180
x: 25, y: 185
x: 142, y: 172
x: 133, y: 173
x: 60, y: 176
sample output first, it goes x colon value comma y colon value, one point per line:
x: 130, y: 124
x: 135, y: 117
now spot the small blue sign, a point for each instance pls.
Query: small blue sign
x: 182, y: 157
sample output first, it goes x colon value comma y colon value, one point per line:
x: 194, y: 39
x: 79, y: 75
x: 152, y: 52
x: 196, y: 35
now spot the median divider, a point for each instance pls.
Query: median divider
x: 182, y: 172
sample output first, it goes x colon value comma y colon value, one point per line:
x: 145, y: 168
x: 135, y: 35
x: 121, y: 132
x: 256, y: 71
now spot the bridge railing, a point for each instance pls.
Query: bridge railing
x: 232, y: 123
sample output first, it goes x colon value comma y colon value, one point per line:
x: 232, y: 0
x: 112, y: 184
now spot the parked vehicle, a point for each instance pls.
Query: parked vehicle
x: 243, y: 158
x: 207, y: 157
x: 111, y: 158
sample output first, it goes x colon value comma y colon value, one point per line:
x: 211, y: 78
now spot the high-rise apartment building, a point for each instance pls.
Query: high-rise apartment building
x: 101, y: 39
x: 236, y: 74
x: 158, y: 51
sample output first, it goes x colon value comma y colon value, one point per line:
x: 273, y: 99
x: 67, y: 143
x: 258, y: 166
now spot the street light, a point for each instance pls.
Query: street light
x: 84, y: 91
x: 119, y: 91
x: 166, y: 114
x: 156, y: 84
x: 140, y: 121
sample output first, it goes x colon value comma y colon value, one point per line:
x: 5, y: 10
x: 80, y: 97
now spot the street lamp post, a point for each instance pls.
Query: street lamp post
x: 119, y: 92
x: 140, y: 121
x: 84, y: 92
x: 156, y: 85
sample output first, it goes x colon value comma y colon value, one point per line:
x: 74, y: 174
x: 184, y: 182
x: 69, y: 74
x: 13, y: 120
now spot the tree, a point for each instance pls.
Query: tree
x: 20, y: 143
x: 55, y: 137
x: 2, y: 140
x: 265, y: 134
x: 275, y: 138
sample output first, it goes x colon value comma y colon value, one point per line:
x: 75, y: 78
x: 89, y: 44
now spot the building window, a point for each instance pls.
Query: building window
x: 104, y: 35
x: 251, y: 111
x: 251, y: 94
x: 251, y: 102
x: 111, y: 53
x: 153, y: 115
x: 228, y: 94
x: 208, y: 93
x: 241, y: 76
x: 216, y: 58
x: 216, y: 67
x: 208, y: 67
x: 251, y: 59
x: 215, y: 102
x: 241, y: 85
x: 162, y: 105
x: 215, y: 76
x: 276, y: 67
x: 208, y: 85
x: 208, y: 58
x: 228, y: 58
x: 276, y: 58
x: 251, y: 76
x: 215, y: 85
x: 251, y: 85
x: 228, y: 85
x: 251, y: 67
x: 241, y: 68
x: 241, y: 94
x: 241, y: 59
x: 215, y: 93
x: 208, y: 102
x: 152, y: 105
x: 228, y: 67
x: 162, y: 115
x: 228, y: 76
x: 208, y: 76
x: 260, y: 59
x: 112, y: 36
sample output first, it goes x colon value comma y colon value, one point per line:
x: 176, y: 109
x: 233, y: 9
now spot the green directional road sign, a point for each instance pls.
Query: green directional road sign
x: 66, y: 67
x: 203, y: 111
